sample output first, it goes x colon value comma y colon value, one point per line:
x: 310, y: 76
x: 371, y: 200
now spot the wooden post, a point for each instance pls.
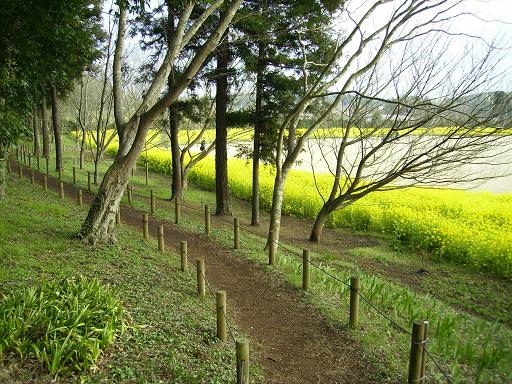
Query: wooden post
x: 424, y: 353
x: 30, y: 161
x: 37, y: 160
x: 89, y: 181
x: 161, y: 244
x: 177, y: 210
x: 61, y: 189
x: 236, y: 234
x: 32, y: 177
x: 45, y: 182
x: 74, y: 175
x: 221, y: 315
x: 355, y: 285
x: 118, y: 216
x: 242, y: 361
x: 416, y: 352
x: 305, y: 270
x: 147, y: 171
x: 79, y: 197
x: 184, y: 257
x: 201, y: 276
x: 207, y: 219
x: 271, y: 250
x: 20, y: 170
x: 152, y: 201
x: 47, y: 166
x: 145, y: 226
x: 129, y: 190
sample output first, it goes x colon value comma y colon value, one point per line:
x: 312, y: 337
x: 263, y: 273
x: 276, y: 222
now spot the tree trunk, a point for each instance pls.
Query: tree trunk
x: 176, y: 166
x: 96, y: 169
x: 37, y: 149
x: 44, y: 127
x: 177, y: 183
x: 99, y: 226
x: 56, y: 130
x: 275, y: 215
x: 3, y: 167
x: 258, y: 132
x: 316, y: 231
x: 221, y: 153
x: 82, y: 149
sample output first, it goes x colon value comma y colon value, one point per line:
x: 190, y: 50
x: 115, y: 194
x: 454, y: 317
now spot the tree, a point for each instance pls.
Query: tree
x: 43, y: 45
x: 274, y: 36
x: 100, y: 222
x: 221, y: 129
x: 408, y: 46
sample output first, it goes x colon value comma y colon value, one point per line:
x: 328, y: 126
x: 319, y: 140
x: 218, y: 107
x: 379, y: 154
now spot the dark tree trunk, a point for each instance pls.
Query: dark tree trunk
x: 221, y: 153
x: 82, y: 149
x: 258, y: 132
x: 329, y: 207
x: 56, y: 130
x: 37, y: 148
x: 44, y: 128
x: 176, y: 184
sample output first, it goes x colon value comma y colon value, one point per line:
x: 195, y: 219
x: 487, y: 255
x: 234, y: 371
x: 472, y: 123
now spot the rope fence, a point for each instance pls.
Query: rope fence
x: 419, y: 350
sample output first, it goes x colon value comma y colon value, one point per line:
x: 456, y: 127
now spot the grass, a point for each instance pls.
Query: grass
x: 173, y: 335
x: 467, y: 344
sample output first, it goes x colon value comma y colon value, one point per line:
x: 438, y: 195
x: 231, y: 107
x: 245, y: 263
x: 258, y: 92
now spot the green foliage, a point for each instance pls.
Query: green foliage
x: 64, y: 325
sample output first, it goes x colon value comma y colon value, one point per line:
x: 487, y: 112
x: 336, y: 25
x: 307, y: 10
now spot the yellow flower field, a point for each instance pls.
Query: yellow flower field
x: 466, y: 228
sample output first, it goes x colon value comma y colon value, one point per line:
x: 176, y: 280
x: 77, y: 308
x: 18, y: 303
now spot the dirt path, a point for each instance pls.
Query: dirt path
x: 294, y: 344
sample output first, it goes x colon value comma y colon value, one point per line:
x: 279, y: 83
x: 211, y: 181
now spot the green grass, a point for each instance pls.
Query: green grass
x: 472, y: 348
x: 173, y: 335
x: 465, y: 344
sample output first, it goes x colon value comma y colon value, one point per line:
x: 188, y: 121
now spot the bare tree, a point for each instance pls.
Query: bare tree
x: 420, y: 87
x: 100, y: 223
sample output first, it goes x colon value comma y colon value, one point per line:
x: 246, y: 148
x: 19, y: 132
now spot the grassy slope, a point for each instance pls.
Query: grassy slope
x: 482, y: 294
x: 174, y: 339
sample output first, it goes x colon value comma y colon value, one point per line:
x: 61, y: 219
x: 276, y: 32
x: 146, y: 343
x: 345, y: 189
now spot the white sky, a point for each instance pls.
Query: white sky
x: 491, y: 20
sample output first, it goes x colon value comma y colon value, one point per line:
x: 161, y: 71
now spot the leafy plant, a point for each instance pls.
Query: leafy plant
x: 64, y: 325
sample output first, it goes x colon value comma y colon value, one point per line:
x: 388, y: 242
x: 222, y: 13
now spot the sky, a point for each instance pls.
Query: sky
x: 489, y: 19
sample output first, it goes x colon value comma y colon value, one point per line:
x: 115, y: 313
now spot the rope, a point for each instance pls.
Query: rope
x: 446, y: 376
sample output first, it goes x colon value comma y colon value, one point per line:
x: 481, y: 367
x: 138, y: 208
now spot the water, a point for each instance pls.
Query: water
x: 322, y: 155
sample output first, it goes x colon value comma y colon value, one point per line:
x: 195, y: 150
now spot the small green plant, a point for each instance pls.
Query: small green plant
x: 63, y: 325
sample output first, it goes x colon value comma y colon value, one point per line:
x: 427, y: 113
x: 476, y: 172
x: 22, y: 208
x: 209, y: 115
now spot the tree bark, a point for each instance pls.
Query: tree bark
x: 176, y: 166
x: 37, y: 148
x: 221, y: 153
x: 56, y: 130
x: 44, y: 127
x: 258, y: 132
x: 316, y: 231
x: 99, y: 226
x: 275, y: 215
x: 82, y: 149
